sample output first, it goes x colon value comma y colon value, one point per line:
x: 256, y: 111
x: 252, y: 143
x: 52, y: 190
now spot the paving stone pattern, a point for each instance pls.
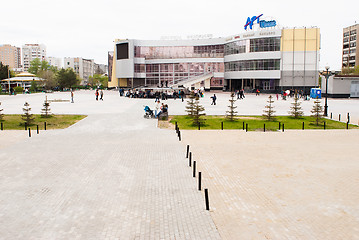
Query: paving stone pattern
x: 110, y: 176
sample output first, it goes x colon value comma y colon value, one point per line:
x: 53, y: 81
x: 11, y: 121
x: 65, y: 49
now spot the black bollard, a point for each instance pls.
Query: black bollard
x: 243, y: 125
x: 176, y: 126
x: 2, y: 126
x: 194, y: 168
x: 187, y: 151
x: 331, y: 115
x: 348, y: 118
x: 264, y: 128
x: 246, y: 127
x: 303, y: 126
x: 179, y: 135
x: 279, y: 125
x: 283, y: 127
x: 199, y: 181
x: 339, y: 117
x: 347, y: 125
x: 222, y: 125
x: 206, y: 198
x: 190, y: 159
x: 29, y: 132
x: 324, y: 125
x: 44, y: 125
x: 37, y: 129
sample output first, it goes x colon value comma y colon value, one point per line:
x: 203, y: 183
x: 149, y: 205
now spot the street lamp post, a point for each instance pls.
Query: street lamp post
x: 326, y: 74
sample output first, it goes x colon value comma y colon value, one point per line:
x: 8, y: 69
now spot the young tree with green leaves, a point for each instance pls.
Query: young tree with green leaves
x: 98, y: 80
x: 66, y: 78
x: 296, y: 109
x: 317, y: 111
x: 231, y: 113
x: 49, y: 77
x: 34, y: 86
x: 4, y: 71
x: 269, y: 112
x: 27, y: 117
x: 37, y: 66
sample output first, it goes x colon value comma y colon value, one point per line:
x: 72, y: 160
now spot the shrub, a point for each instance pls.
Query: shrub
x: 18, y: 89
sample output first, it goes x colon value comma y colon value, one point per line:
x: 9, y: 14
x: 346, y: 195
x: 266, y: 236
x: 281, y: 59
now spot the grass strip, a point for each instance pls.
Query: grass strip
x: 256, y: 123
x: 14, y: 121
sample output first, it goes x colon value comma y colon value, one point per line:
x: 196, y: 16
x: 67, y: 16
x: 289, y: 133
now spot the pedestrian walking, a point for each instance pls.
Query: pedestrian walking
x: 157, y: 107
x: 182, y: 95
x: 72, y: 96
x: 257, y: 92
x: 96, y: 94
x: 214, y: 98
x: 101, y: 95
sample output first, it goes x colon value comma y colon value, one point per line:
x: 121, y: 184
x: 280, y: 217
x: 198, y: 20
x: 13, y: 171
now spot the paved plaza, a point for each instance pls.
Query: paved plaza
x: 115, y: 175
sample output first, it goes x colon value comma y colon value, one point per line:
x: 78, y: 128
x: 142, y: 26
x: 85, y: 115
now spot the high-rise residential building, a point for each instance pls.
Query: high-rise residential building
x: 32, y: 51
x: 11, y: 56
x: 100, y: 69
x: 54, y: 61
x: 84, y: 68
x: 350, y: 46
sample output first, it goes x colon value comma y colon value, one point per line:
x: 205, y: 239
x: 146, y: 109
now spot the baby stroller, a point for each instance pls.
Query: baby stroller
x: 148, y: 113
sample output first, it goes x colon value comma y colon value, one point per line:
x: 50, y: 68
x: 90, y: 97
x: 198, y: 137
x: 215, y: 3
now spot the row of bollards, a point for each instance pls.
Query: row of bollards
x: 26, y: 128
x: 178, y: 132
x: 29, y: 129
x: 339, y: 118
x: 193, y: 164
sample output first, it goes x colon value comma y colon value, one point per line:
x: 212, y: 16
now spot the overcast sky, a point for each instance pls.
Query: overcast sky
x: 87, y: 29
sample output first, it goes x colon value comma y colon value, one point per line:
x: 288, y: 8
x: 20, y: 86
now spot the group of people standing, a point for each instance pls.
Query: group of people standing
x: 159, y: 109
x: 240, y: 94
x: 99, y: 93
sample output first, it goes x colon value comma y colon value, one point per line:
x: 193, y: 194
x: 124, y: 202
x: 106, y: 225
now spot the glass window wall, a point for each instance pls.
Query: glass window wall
x: 253, y: 45
x: 172, y: 52
x: 253, y: 65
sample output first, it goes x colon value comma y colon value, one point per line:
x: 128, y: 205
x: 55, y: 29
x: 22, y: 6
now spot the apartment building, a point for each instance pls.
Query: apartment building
x: 11, y: 56
x: 350, y: 46
x: 32, y: 51
x: 54, y: 61
x: 84, y: 68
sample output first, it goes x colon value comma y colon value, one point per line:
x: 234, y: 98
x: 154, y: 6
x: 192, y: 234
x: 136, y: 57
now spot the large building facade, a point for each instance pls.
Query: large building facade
x: 84, y: 68
x: 266, y: 59
x: 30, y: 52
x: 11, y: 56
x: 350, y: 50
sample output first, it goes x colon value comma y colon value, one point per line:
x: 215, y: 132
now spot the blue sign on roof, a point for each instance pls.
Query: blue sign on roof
x: 262, y: 23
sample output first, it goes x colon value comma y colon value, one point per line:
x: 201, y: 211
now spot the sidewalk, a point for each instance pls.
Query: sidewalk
x: 274, y: 185
x: 110, y: 176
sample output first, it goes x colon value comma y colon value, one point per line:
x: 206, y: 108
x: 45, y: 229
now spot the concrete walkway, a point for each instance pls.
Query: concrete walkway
x: 110, y: 176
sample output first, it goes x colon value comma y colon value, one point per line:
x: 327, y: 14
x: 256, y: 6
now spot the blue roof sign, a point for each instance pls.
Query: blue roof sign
x: 262, y: 23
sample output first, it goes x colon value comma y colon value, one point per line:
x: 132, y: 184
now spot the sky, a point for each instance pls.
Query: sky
x: 88, y: 28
